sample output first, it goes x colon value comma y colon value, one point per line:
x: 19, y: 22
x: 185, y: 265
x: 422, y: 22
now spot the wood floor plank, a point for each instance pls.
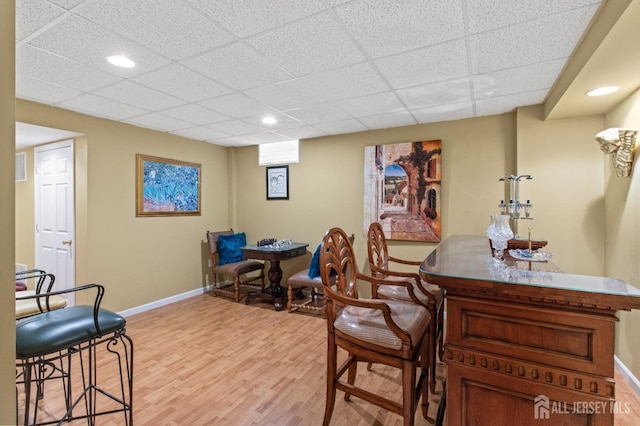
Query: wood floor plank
x: 208, y: 360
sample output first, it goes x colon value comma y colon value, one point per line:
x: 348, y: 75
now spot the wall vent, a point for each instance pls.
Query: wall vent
x: 20, y: 267
x: 21, y: 167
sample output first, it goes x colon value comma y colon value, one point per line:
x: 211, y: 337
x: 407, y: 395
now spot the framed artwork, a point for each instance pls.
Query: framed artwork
x: 278, y: 183
x: 167, y: 187
x: 402, y: 187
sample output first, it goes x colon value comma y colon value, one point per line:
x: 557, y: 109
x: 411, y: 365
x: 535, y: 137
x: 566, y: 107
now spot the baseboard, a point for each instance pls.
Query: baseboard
x: 627, y: 375
x: 165, y: 301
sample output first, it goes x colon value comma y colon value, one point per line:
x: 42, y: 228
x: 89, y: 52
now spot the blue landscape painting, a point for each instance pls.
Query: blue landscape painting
x: 170, y: 187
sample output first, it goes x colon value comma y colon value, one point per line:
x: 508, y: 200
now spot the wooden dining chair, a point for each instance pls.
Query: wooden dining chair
x: 305, y: 287
x: 226, y: 259
x: 390, y: 332
x: 415, y: 290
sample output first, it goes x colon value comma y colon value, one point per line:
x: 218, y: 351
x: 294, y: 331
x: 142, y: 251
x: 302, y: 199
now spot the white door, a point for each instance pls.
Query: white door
x: 54, y: 215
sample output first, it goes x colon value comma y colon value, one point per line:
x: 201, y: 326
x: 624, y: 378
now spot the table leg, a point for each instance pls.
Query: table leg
x: 275, y: 293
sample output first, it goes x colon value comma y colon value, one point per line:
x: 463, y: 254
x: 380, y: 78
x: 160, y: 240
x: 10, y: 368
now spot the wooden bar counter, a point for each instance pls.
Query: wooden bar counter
x: 525, y: 344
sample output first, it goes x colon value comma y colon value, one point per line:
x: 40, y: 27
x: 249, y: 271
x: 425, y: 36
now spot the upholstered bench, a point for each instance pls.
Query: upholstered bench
x: 33, y: 306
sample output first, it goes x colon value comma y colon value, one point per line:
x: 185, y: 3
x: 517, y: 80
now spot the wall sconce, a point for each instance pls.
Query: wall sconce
x: 620, y: 143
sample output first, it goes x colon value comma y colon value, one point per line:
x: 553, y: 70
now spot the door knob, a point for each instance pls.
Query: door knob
x: 68, y: 243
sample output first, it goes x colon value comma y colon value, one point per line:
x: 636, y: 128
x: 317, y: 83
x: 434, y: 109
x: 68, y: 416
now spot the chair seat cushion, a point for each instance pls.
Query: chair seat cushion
x: 401, y: 293
x: 302, y: 279
x: 28, y: 307
x: 57, y: 330
x: 239, y: 268
x: 368, y: 324
x: 20, y: 286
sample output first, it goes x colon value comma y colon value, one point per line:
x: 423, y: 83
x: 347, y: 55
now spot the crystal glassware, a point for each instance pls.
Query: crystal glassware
x: 499, y: 232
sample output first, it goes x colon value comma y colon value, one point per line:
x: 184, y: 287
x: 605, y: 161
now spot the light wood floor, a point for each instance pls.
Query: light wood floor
x: 208, y: 360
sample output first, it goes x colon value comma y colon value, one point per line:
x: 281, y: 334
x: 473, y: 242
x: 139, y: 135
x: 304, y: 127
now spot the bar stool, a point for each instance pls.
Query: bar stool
x: 49, y: 344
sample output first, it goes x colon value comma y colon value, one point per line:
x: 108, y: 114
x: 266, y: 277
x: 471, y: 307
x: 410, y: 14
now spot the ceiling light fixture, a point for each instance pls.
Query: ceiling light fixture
x: 269, y: 120
x: 600, y: 91
x: 121, y: 61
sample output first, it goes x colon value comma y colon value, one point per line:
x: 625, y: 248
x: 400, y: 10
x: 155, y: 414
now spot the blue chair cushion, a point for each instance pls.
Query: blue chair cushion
x: 314, y: 266
x: 58, y: 330
x: 229, y: 248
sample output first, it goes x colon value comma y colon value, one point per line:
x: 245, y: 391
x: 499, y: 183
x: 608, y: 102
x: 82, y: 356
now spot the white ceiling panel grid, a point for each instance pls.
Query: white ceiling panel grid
x: 212, y: 69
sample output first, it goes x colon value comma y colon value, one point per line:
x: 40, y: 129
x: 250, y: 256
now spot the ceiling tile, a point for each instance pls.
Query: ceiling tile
x: 55, y: 69
x: 383, y: 121
x: 248, y: 17
x: 42, y: 91
x: 503, y: 104
x: 444, y: 112
x: 516, y: 80
x: 237, y: 66
x: 140, y: 96
x: 486, y: 15
x: 302, y: 132
x: 266, y: 137
x: 181, y: 82
x: 66, y: 4
x: 31, y: 15
x: 237, y: 105
x: 343, y: 83
x: 195, y: 114
x: 79, y: 40
x: 324, y: 46
x: 385, y: 27
x: 236, y: 127
x: 427, y: 65
x: 283, y: 96
x: 319, y: 113
x: 164, y: 26
x: 378, y: 103
x: 232, y: 141
x: 201, y: 133
x: 102, y: 107
x: 344, y: 126
x: 442, y: 93
x: 514, y: 46
x: 159, y: 122
x: 284, y: 121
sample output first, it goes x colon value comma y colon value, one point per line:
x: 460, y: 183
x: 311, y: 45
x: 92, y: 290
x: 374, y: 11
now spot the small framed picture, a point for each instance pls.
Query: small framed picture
x: 278, y: 183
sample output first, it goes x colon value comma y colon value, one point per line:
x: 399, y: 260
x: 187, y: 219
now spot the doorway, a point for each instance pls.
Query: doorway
x: 54, y: 197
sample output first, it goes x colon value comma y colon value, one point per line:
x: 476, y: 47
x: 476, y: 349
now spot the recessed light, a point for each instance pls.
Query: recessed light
x: 121, y: 61
x: 269, y: 120
x: 600, y: 91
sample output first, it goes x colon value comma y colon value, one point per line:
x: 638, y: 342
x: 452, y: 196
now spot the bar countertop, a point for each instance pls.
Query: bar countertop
x: 464, y: 260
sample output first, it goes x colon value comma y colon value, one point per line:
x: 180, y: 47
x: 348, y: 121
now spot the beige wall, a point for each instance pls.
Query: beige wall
x: 326, y: 187
x: 138, y: 260
x: 7, y: 212
x: 622, y: 241
x: 567, y: 187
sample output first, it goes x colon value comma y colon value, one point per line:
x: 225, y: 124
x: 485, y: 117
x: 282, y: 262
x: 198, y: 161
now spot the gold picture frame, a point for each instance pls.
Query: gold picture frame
x: 166, y: 187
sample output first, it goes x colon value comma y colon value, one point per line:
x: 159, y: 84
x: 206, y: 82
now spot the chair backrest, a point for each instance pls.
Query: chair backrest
x: 40, y: 278
x: 212, y: 240
x: 338, y: 265
x: 377, y: 250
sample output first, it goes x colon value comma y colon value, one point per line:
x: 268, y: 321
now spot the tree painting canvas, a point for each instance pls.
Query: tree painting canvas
x: 166, y: 187
x: 402, y: 186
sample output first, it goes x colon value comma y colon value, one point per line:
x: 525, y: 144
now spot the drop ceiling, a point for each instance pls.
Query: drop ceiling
x: 210, y: 70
